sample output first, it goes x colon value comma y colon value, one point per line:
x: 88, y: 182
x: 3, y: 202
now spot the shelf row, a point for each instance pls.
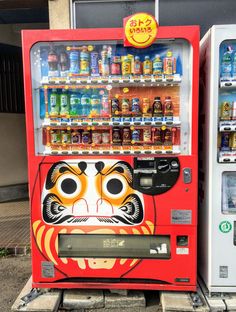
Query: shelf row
x: 227, y: 83
x: 227, y: 125
x: 227, y: 157
x: 159, y: 80
x: 114, y: 121
x: 69, y: 150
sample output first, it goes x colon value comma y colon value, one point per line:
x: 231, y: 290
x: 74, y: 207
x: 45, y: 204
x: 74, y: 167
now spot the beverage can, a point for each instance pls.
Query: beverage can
x: 115, y: 105
x: 55, y: 136
x: 65, y: 137
x: 126, y: 66
x: 75, y: 137
x: 96, y: 137
x: 94, y: 64
x: 147, y: 135
x: 116, y: 136
x: 85, y: 137
x: 136, y: 135
x: 225, y: 111
x: 135, y: 105
x: 225, y: 138
x: 125, y: 106
x: 126, y: 136
x: 106, y: 137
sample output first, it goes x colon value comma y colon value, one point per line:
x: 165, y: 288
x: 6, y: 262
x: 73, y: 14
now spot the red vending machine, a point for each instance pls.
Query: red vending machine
x: 112, y: 152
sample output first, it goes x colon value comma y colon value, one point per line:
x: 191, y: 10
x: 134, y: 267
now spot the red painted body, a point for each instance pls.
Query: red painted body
x: 144, y: 273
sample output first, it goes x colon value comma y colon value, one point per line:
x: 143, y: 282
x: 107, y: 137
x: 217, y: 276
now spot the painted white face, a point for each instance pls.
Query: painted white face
x: 91, y: 192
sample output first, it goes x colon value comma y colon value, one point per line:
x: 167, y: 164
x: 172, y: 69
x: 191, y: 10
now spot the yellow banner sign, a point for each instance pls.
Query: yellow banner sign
x: 140, y: 30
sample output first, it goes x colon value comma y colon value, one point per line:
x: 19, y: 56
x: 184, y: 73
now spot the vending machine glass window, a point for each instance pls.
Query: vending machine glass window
x: 227, y: 102
x: 229, y: 192
x: 144, y: 94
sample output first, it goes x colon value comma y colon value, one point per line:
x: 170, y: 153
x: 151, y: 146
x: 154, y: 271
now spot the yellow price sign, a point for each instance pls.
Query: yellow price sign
x: 140, y: 30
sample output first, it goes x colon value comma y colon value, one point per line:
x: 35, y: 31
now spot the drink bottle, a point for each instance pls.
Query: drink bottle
x: 54, y: 102
x: 52, y: 63
x: 64, y: 103
x: 226, y: 64
x: 74, y: 103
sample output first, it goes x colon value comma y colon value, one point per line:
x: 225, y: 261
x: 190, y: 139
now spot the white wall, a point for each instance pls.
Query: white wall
x: 13, y: 159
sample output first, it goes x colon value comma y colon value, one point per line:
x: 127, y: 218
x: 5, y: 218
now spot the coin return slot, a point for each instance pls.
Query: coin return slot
x: 146, y: 181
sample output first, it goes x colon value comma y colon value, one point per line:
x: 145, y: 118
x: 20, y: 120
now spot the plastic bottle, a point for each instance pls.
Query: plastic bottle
x: 52, y: 63
x: 168, y: 108
x: 105, y: 104
x: 95, y: 104
x: 147, y: 66
x: 226, y: 64
x: 64, y: 64
x: 157, y: 65
x: 54, y: 103
x: 169, y: 64
x: 84, y: 62
x: 137, y: 66
x: 74, y: 103
x: 157, y: 109
x: 86, y: 104
x: 64, y: 103
x: 74, y: 62
x: 126, y: 66
x: 234, y: 67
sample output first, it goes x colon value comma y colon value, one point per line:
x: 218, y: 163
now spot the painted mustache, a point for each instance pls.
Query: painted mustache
x: 130, y: 212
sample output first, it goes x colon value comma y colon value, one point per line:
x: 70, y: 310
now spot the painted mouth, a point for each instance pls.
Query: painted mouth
x: 129, y: 213
x: 141, y: 42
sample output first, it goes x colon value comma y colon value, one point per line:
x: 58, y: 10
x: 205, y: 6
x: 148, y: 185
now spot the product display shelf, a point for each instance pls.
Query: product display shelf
x: 158, y: 80
x: 227, y: 125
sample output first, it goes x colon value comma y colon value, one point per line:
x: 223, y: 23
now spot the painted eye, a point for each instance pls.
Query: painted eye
x: 69, y: 185
x: 114, y: 186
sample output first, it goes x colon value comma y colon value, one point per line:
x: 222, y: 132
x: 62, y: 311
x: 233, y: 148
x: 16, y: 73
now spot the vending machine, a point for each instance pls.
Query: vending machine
x: 113, y: 163
x: 217, y: 175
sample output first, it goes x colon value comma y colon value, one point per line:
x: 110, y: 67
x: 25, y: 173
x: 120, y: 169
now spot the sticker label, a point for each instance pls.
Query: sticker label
x: 225, y: 226
x: 47, y: 269
x: 181, y: 216
x: 113, y: 243
x: 223, y: 271
x: 182, y: 251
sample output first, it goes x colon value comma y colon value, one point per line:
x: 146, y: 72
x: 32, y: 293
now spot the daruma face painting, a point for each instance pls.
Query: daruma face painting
x: 92, y: 196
